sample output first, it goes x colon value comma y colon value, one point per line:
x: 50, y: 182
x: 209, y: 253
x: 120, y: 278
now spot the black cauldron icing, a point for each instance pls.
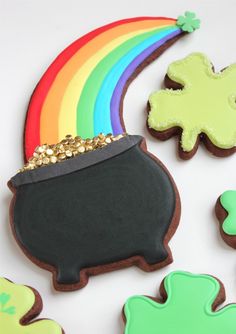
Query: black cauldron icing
x: 106, y: 209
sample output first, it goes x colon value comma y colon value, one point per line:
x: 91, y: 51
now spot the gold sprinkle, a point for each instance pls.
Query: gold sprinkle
x: 39, y: 162
x: 68, y: 147
x: 53, y: 159
x: 89, y: 147
x: 40, y: 149
x: 49, y: 151
x: 81, y: 149
x: 46, y: 161
x: 35, y: 154
x: 68, y: 153
x: 101, y: 136
x: 108, y: 140
x: 62, y: 156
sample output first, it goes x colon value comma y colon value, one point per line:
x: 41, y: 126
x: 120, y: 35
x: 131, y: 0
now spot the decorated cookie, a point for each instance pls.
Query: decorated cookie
x: 198, y: 105
x: 82, y: 91
x: 19, y: 305
x: 98, y: 205
x: 86, y: 206
x: 226, y: 213
x: 188, y: 305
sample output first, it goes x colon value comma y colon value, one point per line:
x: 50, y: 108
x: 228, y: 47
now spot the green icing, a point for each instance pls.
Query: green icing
x: 188, y: 309
x: 4, y: 308
x: 228, y: 201
x: 188, y: 22
x: 23, y: 300
x: 206, y: 104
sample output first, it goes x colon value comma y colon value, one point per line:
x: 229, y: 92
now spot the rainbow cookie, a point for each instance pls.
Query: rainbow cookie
x: 189, y: 304
x: 82, y: 91
x: 225, y: 209
x: 198, y: 105
x: 19, y: 305
x: 81, y: 214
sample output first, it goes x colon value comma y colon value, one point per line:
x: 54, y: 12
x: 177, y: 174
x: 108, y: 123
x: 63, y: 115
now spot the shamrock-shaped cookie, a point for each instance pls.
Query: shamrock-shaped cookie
x: 20, y: 304
x: 198, y: 104
x: 226, y: 213
x: 188, y: 22
x: 188, y: 306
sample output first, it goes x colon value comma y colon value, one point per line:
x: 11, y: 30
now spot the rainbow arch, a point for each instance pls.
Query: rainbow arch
x: 81, y: 93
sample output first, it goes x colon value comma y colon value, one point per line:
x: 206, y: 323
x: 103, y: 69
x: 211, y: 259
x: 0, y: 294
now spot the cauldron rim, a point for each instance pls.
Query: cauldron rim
x: 76, y: 163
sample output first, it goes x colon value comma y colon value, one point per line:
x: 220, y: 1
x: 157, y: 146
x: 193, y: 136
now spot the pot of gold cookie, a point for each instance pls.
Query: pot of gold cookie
x: 82, y: 207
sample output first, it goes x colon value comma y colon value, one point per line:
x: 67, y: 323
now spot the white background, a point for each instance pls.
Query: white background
x: 32, y: 33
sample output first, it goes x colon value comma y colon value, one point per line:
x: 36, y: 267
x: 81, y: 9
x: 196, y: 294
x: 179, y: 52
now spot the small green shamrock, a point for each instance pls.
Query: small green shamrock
x: 188, y: 306
x: 4, y: 299
x: 188, y: 22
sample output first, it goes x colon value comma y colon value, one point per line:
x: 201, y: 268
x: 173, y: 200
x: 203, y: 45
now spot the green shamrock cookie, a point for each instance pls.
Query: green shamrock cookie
x: 19, y: 304
x: 202, y: 107
x: 188, y: 307
x: 228, y: 202
x: 226, y: 213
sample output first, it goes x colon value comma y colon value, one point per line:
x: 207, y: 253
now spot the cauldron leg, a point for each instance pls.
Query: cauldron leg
x: 155, y: 254
x: 68, y: 274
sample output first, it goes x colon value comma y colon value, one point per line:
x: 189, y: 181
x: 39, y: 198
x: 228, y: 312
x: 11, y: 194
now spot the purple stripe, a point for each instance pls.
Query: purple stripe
x: 117, y: 94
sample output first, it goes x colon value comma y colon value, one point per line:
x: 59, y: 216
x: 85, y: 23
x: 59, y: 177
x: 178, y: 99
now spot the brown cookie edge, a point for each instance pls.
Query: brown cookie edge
x: 221, y: 215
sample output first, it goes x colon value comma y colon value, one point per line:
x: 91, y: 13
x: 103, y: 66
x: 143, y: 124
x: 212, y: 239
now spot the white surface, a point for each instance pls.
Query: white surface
x: 31, y: 34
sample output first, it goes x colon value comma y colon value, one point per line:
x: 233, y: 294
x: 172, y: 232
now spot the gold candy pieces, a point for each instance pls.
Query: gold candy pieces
x: 68, y: 147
